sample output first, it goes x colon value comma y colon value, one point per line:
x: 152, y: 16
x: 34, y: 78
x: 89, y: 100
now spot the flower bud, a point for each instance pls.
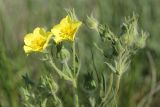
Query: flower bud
x: 92, y: 23
x: 141, y: 42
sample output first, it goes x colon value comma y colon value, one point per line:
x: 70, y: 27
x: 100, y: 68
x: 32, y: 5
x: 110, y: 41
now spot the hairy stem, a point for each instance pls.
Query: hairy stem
x: 60, y: 73
x: 146, y: 101
x: 74, y: 81
x: 75, y: 93
x: 108, y: 91
x: 117, y: 85
x: 74, y: 62
x: 154, y: 79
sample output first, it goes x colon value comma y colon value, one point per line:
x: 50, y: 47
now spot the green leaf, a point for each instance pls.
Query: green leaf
x: 111, y: 67
x: 44, y: 103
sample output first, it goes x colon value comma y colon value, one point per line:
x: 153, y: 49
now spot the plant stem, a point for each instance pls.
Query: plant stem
x: 57, y: 69
x: 153, y: 79
x: 57, y: 101
x: 109, y: 90
x: 146, y: 101
x: 75, y: 93
x: 110, y: 86
x: 74, y: 81
x: 74, y: 54
x: 118, y: 78
x: 117, y: 84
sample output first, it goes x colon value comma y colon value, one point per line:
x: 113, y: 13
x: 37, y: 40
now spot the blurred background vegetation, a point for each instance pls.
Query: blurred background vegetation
x: 18, y: 17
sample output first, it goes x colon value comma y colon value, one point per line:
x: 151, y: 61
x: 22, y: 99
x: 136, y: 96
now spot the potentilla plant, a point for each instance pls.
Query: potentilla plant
x: 105, y: 89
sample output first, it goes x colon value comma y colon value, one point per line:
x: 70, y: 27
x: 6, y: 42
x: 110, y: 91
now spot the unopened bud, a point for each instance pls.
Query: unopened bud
x: 92, y: 23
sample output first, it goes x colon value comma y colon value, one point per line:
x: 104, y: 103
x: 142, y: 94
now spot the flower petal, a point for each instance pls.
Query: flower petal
x: 28, y: 39
x: 56, y: 30
x: 37, y: 31
x: 65, y: 20
x: 49, y: 35
x: 27, y: 49
x: 66, y: 30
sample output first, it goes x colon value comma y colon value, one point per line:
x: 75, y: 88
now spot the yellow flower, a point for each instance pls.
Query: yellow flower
x: 36, y: 41
x: 66, y: 30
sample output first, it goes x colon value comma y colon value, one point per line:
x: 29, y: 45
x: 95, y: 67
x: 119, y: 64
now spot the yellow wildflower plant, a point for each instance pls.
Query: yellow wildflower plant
x: 66, y: 30
x: 36, y: 41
